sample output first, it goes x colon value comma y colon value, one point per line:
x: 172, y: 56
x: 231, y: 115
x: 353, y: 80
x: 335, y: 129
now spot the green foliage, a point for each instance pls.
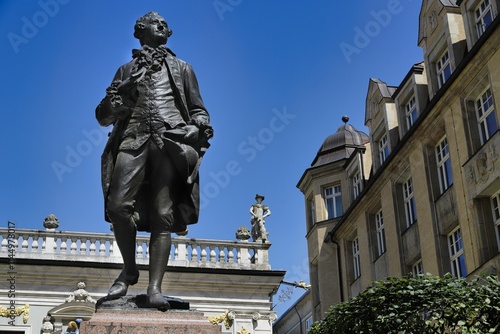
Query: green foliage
x: 425, y: 304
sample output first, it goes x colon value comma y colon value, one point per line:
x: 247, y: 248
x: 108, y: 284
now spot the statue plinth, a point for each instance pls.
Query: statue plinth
x: 139, y: 321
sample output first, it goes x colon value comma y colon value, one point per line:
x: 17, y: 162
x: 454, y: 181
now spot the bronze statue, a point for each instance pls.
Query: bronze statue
x: 150, y: 164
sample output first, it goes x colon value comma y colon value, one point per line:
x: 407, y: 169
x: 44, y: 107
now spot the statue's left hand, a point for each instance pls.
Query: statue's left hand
x: 192, y: 133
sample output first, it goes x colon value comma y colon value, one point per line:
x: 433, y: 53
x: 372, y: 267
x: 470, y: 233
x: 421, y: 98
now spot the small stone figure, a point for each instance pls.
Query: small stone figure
x: 259, y: 211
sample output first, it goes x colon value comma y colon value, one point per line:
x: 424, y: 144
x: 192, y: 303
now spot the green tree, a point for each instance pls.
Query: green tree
x: 424, y: 304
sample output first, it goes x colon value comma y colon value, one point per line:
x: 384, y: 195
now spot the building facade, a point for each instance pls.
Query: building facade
x: 421, y: 191
x: 54, y: 277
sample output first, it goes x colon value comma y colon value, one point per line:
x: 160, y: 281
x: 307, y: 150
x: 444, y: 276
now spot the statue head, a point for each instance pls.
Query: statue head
x: 259, y: 198
x: 152, y: 30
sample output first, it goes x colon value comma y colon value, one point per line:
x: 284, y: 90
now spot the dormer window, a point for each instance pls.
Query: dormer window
x: 483, y: 17
x: 443, y: 69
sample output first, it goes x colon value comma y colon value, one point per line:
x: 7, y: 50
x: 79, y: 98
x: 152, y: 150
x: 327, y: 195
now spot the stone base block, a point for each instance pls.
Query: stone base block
x: 148, y: 321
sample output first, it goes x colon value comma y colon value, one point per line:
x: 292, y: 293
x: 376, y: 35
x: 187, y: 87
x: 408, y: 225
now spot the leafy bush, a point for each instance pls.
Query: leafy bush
x: 425, y: 304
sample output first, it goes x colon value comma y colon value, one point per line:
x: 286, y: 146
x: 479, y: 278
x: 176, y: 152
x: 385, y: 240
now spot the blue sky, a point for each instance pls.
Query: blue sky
x: 275, y: 76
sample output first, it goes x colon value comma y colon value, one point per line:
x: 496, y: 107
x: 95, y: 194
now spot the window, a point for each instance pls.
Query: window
x: 457, y: 258
x: 486, y: 116
x: 333, y: 202
x: 383, y: 149
x: 495, y: 205
x: 356, y: 185
x: 410, y: 206
x: 309, y: 323
x: 417, y: 269
x: 483, y: 17
x: 443, y: 165
x: 443, y: 69
x: 379, y: 226
x: 411, y: 112
x: 355, y: 258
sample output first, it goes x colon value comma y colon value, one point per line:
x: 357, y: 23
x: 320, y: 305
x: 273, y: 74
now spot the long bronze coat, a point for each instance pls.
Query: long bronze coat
x: 187, y: 157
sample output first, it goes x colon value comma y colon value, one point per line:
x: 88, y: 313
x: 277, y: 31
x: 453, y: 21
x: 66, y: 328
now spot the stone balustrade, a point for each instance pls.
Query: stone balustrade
x: 51, y: 244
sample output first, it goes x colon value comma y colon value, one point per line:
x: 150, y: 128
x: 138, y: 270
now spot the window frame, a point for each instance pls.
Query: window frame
x: 356, y: 259
x: 380, y: 232
x: 442, y: 154
x: 383, y: 148
x: 411, y: 112
x: 443, y: 62
x: 483, y: 116
x: 456, y: 252
x: 356, y: 185
x: 336, y: 197
x: 480, y: 13
x: 417, y: 269
x: 409, y: 202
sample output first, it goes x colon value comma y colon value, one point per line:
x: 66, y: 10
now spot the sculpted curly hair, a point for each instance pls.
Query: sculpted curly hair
x: 140, y: 24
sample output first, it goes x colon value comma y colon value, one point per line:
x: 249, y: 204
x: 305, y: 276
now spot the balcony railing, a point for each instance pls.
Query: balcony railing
x: 100, y: 247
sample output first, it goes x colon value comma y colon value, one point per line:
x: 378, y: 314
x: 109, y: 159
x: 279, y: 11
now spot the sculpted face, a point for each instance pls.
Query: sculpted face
x: 155, y: 31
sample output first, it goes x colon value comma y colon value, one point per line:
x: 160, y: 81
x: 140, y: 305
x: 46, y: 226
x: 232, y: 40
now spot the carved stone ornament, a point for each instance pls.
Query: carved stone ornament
x: 243, y: 330
x: 226, y: 317
x: 8, y: 312
x: 51, y: 222
x: 80, y: 295
x: 243, y: 233
x: 47, y: 326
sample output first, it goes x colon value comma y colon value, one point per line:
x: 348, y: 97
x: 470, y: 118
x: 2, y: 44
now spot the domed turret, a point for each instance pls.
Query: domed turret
x: 341, y: 144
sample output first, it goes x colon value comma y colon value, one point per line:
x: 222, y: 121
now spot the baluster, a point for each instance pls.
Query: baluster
x: 213, y: 255
x: 238, y: 255
x: 92, y: 247
x: 110, y: 246
x: 102, y: 247
x: 140, y: 250
x: 222, y: 254
x: 72, y: 248
x: 230, y: 255
x: 147, y: 249
x: 34, y: 245
x: 64, y: 246
x: 4, y: 244
x: 176, y: 250
x: 83, y: 247
x: 24, y: 244
x: 203, y: 253
x: 194, y: 253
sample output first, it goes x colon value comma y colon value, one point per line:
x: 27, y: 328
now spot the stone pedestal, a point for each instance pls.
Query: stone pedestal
x: 148, y: 321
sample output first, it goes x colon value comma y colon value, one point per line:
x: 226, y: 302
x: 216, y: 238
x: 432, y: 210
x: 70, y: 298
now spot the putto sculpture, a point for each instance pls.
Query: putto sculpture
x: 150, y: 164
